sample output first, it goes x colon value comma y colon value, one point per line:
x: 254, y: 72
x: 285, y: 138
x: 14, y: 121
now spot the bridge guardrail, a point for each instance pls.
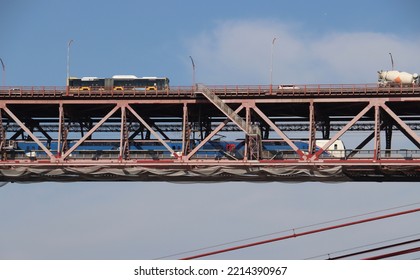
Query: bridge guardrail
x: 309, y: 90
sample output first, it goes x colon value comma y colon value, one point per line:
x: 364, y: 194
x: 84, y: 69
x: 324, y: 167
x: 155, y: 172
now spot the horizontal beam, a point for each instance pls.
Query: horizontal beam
x: 109, y: 127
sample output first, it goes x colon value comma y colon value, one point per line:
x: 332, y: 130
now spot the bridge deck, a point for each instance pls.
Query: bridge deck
x: 242, y: 91
x: 53, y: 133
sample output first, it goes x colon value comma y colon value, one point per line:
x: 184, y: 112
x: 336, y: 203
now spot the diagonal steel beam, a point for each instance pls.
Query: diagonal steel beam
x: 414, y: 137
x: 151, y: 130
x: 92, y: 130
x: 342, y: 131
x: 279, y: 132
x: 364, y: 142
x: 27, y: 130
x: 224, y: 108
x: 41, y: 129
x: 214, y: 132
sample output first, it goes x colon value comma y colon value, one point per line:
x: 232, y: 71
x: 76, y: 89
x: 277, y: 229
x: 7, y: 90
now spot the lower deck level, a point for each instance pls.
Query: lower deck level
x: 403, y: 170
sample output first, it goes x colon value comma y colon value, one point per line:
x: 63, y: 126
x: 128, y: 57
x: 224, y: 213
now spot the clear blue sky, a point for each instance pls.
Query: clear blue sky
x: 230, y: 41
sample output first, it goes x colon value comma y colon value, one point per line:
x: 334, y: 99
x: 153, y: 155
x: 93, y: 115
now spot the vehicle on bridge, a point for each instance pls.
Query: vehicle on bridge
x: 396, y: 78
x: 289, y: 87
x: 153, y: 149
x: 118, y: 82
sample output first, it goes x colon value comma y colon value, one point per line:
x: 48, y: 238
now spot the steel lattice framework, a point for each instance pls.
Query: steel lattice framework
x: 199, y: 115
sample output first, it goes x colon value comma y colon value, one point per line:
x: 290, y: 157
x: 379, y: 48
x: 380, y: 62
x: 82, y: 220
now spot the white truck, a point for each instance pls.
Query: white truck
x: 397, y: 78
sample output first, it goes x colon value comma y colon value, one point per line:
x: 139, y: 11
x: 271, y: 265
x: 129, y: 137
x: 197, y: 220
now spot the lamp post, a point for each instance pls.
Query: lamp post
x: 3, y: 78
x: 392, y: 61
x: 68, y: 60
x: 271, y: 68
x: 193, y: 72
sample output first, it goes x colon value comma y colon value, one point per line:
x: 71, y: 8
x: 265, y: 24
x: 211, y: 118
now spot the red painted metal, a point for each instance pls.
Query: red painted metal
x: 294, y: 235
x: 265, y: 105
x: 342, y: 131
x: 16, y: 119
x: 394, y: 254
x: 314, y: 90
x: 280, y: 133
x: 375, y: 249
x: 214, y: 132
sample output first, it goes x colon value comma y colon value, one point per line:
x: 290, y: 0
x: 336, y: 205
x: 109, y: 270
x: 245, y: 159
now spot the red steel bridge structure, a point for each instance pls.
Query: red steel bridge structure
x: 365, y: 117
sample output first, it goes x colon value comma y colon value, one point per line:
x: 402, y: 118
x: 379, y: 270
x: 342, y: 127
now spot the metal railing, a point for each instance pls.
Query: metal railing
x: 310, y: 90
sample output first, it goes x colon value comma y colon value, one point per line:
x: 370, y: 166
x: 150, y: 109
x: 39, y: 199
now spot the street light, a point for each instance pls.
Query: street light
x: 68, y: 60
x: 271, y: 68
x: 392, y: 61
x: 3, y: 72
x: 193, y: 74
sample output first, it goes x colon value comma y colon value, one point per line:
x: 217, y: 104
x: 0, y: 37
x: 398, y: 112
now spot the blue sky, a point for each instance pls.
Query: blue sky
x: 143, y: 38
x: 230, y: 41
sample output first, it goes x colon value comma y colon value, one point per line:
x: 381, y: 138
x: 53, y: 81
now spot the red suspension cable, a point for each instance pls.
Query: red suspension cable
x: 375, y: 249
x: 393, y: 254
x: 302, y: 234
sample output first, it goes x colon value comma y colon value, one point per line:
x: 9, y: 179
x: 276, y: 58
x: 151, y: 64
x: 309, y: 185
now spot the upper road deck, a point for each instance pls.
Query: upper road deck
x: 239, y: 91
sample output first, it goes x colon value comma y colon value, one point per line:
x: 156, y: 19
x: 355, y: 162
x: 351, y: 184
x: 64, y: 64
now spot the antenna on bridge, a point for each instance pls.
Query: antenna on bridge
x: 392, y: 61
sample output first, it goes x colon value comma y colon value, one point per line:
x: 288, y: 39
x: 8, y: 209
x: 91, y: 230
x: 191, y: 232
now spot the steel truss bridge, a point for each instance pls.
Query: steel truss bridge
x: 54, y: 123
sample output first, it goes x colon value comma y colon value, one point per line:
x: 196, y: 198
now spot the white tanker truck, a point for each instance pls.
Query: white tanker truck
x: 397, y: 78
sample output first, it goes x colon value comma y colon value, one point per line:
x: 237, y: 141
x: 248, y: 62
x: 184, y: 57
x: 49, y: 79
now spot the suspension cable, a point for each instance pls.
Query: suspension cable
x: 375, y: 249
x: 370, y: 245
x: 393, y: 254
x: 287, y: 230
x: 302, y: 234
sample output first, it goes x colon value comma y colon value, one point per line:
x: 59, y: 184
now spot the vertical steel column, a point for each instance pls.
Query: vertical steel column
x: 60, y: 129
x: 253, y: 136
x: 377, y: 136
x: 312, y: 129
x: 62, y: 144
x: 247, y: 136
x: 124, y: 146
x: 120, y: 156
x: 326, y: 128
x: 388, y: 139
x: 3, y: 154
x: 186, y: 131
x: 253, y: 146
